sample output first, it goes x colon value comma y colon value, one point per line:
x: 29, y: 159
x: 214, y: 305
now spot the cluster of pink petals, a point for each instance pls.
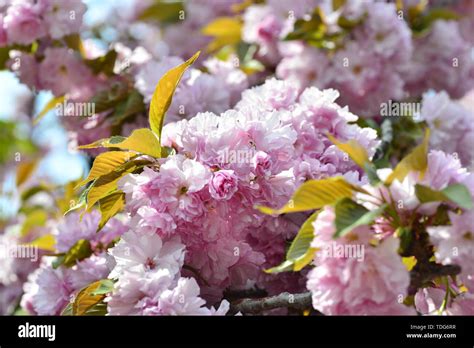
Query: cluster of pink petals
x: 215, y: 91
x: 380, y: 59
x: 451, y: 124
x: 49, y: 289
x: 372, y: 282
x: 378, y: 284
x: 255, y: 154
x: 28, y: 20
x: 147, y: 269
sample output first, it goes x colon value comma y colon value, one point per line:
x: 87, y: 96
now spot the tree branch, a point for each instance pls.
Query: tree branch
x: 300, y: 302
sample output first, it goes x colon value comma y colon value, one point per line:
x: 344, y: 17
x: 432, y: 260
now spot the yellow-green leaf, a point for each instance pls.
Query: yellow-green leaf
x: 110, y: 206
x: 79, y: 251
x: 225, y: 30
x: 300, y: 253
x: 315, y: 194
x: 355, y: 151
x: 37, y: 217
x: 409, y: 262
x: 141, y: 140
x: 105, y: 163
x: 107, y: 184
x: 87, y: 298
x: 24, y: 171
x: 163, y: 94
x: 46, y: 242
x: 48, y: 107
x: 415, y: 161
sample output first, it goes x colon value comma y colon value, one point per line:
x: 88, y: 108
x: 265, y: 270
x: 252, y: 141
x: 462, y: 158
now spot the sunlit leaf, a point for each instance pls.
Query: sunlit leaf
x: 409, y: 262
x: 300, y: 253
x: 24, y: 171
x: 48, y: 107
x: 225, y: 31
x: 37, y: 217
x: 141, y: 140
x: 415, y: 161
x: 87, y: 298
x: 79, y: 251
x: 46, y: 242
x: 163, y: 94
x: 315, y: 194
x: 107, y: 184
x: 109, y: 206
x: 105, y: 163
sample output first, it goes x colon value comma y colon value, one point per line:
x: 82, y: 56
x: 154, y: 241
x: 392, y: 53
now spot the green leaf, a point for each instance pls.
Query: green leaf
x: 300, y: 253
x: 315, y: 194
x: 128, y: 107
x: 110, y: 206
x: 163, y: 11
x: 141, y: 140
x: 4, y: 56
x: 163, y: 94
x: 82, y: 202
x: 456, y: 193
x: 74, y: 42
x: 414, y: 161
x: 79, y: 251
x: 104, y: 64
x: 406, y: 237
x: 350, y: 215
x: 108, y: 99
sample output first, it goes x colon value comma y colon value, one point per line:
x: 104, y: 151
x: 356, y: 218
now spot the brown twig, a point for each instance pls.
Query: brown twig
x: 299, y: 302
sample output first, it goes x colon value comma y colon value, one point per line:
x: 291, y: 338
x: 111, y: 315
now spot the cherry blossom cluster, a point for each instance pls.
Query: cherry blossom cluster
x: 257, y: 153
x: 380, y: 58
x: 379, y: 282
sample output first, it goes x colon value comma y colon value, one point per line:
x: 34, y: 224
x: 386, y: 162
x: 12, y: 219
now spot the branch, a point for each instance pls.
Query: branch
x: 300, y: 302
x: 428, y: 272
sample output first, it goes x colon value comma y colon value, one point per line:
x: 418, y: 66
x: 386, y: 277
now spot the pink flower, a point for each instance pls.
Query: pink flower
x: 61, y: 72
x: 263, y: 27
x: 23, y: 22
x: 451, y: 124
x: 72, y: 228
x: 441, y: 61
x: 455, y: 244
x: 150, y: 73
x: 377, y: 286
x: 148, y: 252
x: 223, y: 184
x: 63, y: 17
x: 26, y: 68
